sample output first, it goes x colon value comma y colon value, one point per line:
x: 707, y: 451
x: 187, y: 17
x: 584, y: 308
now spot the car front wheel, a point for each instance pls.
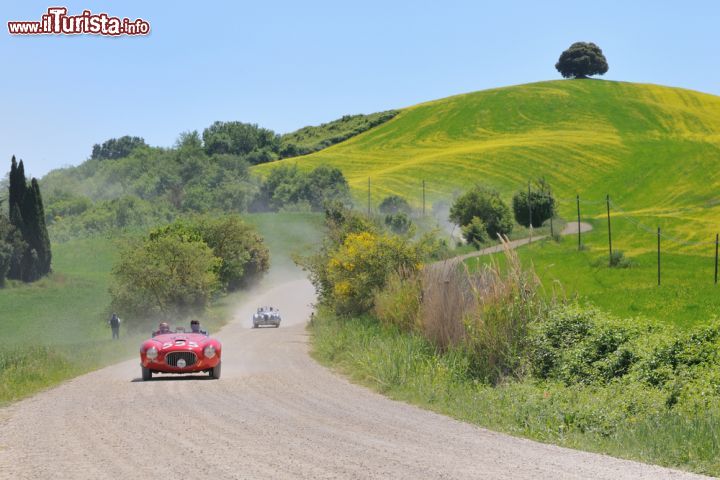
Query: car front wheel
x: 146, y: 374
x: 215, y: 372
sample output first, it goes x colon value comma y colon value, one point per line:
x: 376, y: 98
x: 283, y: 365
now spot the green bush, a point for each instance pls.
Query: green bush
x: 165, y: 275
x: 242, y: 253
x: 287, y: 185
x: 542, y: 204
x: 475, y: 233
x: 578, y: 345
x: 362, y: 265
x: 486, y: 205
x: 619, y: 260
x: 398, y: 223
x: 394, y: 204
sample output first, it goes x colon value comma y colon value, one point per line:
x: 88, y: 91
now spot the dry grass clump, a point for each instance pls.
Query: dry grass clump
x: 485, y: 312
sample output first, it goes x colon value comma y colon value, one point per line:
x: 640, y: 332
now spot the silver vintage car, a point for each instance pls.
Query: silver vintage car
x: 266, y: 316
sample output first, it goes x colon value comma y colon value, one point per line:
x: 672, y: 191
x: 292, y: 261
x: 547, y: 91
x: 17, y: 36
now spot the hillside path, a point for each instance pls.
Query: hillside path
x: 274, y: 414
x: 570, y: 229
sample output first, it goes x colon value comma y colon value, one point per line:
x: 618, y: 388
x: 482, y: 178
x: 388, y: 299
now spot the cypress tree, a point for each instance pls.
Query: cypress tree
x: 43, y: 239
x: 32, y: 257
x: 17, y: 185
x: 33, y: 237
x: 20, y: 246
x: 20, y: 185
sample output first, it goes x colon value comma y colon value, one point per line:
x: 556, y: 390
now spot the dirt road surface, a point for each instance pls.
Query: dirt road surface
x: 274, y: 414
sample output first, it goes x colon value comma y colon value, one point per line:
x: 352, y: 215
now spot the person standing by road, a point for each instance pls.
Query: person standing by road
x: 114, y: 323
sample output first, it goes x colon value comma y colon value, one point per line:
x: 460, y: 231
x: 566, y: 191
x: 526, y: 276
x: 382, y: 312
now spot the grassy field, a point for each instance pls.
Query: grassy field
x: 652, y: 148
x: 686, y: 297
x: 55, y: 329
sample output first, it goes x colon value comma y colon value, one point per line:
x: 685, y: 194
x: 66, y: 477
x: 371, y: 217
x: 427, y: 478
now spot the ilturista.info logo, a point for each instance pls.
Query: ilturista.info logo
x: 56, y: 21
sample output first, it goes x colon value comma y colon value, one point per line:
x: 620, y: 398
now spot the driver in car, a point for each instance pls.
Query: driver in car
x: 163, y: 328
x: 195, y: 327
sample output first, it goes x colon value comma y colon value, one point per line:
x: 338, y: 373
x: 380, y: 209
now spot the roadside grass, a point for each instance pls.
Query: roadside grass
x: 687, y: 295
x: 624, y: 421
x: 56, y: 329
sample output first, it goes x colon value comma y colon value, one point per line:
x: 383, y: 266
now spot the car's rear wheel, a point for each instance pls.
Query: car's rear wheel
x: 215, y: 372
x: 146, y: 374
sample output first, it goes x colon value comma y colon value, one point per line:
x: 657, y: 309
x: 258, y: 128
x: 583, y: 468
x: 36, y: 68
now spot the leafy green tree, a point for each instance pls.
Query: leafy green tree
x: 116, y: 148
x: 323, y: 184
x: 287, y: 185
x: 475, y: 232
x: 241, y: 250
x: 164, y: 276
x: 487, y: 206
x: 394, y: 204
x: 581, y: 60
x: 239, y: 138
x: 278, y: 188
x: 398, y: 222
x: 542, y: 204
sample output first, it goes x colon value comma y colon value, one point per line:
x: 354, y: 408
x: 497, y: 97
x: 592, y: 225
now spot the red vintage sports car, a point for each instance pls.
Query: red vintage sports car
x: 180, y: 352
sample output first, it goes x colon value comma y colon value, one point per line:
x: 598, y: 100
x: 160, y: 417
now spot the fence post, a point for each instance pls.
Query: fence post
x: 717, y: 238
x: 529, y: 212
x: 423, y: 198
x: 368, y: 197
x: 552, y: 232
x: 658, y: 235
x: 578, y: 212
x: 609, y: 231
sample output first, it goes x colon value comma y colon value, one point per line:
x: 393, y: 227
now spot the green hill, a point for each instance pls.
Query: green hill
x: 654, y: 149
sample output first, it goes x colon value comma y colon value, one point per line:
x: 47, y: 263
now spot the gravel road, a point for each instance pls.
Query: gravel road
x: 274, y: 414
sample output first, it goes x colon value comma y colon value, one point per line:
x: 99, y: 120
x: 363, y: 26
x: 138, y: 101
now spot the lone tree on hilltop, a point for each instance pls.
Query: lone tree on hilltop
x: 581, y: 60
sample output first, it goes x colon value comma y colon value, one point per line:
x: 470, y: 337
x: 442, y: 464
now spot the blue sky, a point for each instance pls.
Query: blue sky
x: 285, y: 65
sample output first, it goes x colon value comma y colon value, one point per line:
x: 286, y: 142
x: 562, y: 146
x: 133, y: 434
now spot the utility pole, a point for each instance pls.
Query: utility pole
x: 609, y: 231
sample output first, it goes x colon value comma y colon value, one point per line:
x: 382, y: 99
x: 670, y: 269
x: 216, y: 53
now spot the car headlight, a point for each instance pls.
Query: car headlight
x: 151, y: 353
x: 209, y: 351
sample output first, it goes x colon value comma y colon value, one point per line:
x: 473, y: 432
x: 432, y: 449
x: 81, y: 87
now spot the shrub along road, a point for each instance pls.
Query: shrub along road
x: 274, y: 414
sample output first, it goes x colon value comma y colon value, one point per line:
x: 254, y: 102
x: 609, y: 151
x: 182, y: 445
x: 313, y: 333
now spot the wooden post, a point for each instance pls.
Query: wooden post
x: 423, y: 198
x: 609, y: 231
x: 717, y: 238
x: 552, y: 232
x: 658, y: 256
x: 529, y: 212
x: 368, y: 197
x: 578, y: 212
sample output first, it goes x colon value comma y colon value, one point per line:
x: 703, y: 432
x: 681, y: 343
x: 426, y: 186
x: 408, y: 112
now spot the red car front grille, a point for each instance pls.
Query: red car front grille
x: 173, y: 357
